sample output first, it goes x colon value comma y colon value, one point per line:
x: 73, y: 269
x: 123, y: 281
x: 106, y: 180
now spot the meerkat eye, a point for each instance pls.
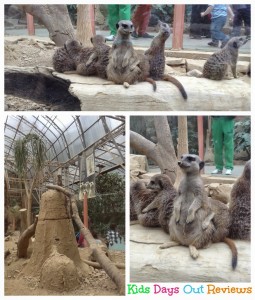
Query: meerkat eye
x: 131, y: 26
x: 182, y: 157
x: 152, y: 182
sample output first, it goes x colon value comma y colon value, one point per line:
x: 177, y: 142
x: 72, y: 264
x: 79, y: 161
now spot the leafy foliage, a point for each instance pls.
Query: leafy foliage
x: 29, y: 151
x: 242, y: 136
x: 109, y: 205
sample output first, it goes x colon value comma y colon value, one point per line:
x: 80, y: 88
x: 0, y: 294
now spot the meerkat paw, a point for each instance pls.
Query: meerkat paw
x: 193, y: 252
x: 205, y: 224
x: 168, y: 245
x: 126, y: 85
x: 190, y: 218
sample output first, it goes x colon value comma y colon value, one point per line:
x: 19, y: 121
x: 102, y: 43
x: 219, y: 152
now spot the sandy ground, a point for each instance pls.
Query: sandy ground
x: 97, y: 283
x: 29, y: 52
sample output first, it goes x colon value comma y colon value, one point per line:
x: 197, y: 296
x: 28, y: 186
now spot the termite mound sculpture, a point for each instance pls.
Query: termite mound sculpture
x: 55, y: 258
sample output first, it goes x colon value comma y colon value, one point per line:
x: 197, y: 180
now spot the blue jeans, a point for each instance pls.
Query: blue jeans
x: 216, y: 26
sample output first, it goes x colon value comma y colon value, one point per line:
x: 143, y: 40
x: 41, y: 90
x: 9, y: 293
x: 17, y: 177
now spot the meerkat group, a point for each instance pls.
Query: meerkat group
x: 119, y: 63
x: 193, y: 219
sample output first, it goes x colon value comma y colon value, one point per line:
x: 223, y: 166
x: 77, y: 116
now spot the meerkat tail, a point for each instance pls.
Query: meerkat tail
x: 233, y: 249
x: 153, y: 82
x: 176, y: 83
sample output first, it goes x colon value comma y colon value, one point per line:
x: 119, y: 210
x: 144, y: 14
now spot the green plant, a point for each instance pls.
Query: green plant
x: 109, y: 204
x: 242, y: 136
x: 30, y: 155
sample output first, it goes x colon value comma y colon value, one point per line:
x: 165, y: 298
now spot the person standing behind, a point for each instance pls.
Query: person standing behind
x: 219, y: 13
x: 223, y: 142
x: 242, y: 14
x: 140, y: 19
x: 116, y: 13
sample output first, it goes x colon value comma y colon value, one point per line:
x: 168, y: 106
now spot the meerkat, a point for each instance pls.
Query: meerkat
x: 240, y: 206
x: 156, y: 57
x: 72, y: 58
x: 125, y: 65
x: 100, y: 55
x: 61, y: 59
x: 197, y: 221
x: 217, y: 64
x: 163, y: 202
x: 141, y: 197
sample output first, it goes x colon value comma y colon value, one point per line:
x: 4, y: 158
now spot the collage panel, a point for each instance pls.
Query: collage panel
x: 190, y: 200
x: 168, y: 83
x: 114, y: 57
x: 64, y: 208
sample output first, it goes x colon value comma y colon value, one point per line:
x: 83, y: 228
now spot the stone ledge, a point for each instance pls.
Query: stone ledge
x: 148, y: 263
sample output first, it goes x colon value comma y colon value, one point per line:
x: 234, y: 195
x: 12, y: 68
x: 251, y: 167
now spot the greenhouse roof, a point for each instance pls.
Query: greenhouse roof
x: 66, y: 138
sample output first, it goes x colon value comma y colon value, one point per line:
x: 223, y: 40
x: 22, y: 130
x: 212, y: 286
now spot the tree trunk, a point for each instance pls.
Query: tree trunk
x: 182, y: 145
x: 23, y: 241
x: 208, y: 145
x: 98, y: 253
x: 84, y: 28
x: 162, y: 153
x: 55, y: 18
x: 29, y: 209
x: 23, y: 220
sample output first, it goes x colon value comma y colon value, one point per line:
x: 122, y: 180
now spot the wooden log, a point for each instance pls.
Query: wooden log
x: 23, y: 220
x: 24, y: 238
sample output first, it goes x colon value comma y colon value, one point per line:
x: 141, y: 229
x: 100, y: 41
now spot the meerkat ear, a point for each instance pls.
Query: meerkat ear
x: 160, y: 182
x: 235, y: 45
x: 117, y: 25
x: 201, y: 165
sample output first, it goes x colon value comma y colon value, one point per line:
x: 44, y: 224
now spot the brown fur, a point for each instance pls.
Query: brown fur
x: 141, y: 197
x: 61, y: 59
x: 240, y: 206
x: 217, y: 64
x: 197, y: 221
x: 100, y: 56
x: 164, y: 199
x: 125, y: 65
x: 156, y: 56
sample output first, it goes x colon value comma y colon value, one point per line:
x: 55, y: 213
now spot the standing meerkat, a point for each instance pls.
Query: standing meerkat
x: 217, y: 64
x: 125, y: 65
x: 100, y: 55
x: 240, y: 206
x: 156, y: 57
x: 197, y: 221
x: 163, y: 201
x: 141, y: 197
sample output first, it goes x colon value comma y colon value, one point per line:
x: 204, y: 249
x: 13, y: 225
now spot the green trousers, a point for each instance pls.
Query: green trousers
x: 223, y: 140
x: 116, y: 13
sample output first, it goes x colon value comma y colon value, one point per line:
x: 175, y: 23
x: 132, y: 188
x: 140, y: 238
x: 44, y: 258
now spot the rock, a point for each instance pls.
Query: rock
x: 197, y: 64
x: 175, y: 61
x: 220, y: 192
x: 148, y: 263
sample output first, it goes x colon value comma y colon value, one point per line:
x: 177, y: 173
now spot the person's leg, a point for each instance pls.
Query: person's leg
x: 237, y: 23
x: 124, y: 12
x: 228, y: 141
x: 217, y: 142
x: 247, y: 20
x: 113, y: 18
x: 214, y: 41
x: 219, y: 23
x: 144, y: 19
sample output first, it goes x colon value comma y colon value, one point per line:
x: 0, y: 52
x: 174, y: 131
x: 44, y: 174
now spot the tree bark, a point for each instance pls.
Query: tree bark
x: 98, y: 253
x: 162, y: 153
x: 55, y: 18
x: 23, y: 241
x: 84, y: 28
x: 182, y: 145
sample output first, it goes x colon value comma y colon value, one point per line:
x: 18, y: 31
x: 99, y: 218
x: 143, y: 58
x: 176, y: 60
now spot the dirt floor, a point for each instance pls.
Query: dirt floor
x: 97, y: 283
x: 30, y: 52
